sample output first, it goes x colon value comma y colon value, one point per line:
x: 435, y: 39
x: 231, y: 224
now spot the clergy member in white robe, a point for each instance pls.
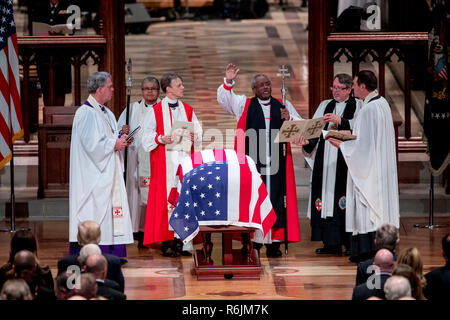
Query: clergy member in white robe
x: 327, y: 198
x: 138, y: 160
x: 264, y: 116
x: 164, y: 162
x: 372, y: 186
x: 97, y: 189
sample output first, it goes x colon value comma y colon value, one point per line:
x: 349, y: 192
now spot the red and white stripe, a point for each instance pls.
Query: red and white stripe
x: 10, y: 109
x: 248, y: 201
x: 443, y: 73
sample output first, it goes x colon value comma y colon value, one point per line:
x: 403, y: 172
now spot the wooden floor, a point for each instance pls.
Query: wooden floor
x: 300, y: 275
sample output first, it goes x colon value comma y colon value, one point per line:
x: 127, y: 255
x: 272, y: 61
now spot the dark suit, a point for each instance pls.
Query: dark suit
x: 438, y: 284
x: 362, y: 292
x: 114, y: 268
x: 109, y: 293
x: 361, y: 270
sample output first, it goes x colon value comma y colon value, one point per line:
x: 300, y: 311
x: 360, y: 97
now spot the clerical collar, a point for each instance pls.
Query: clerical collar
x: 264, y: 102
x: 149, y: 105
x: 370, y: 96
x: 173, y: 104
x: 92, y: 101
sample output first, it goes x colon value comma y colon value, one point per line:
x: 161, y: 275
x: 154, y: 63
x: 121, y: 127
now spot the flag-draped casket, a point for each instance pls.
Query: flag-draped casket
x: 219, y: 187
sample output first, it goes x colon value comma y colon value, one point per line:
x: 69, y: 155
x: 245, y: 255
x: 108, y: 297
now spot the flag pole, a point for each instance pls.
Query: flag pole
x: 13, y: 195
x: 129, y: 85
x: 283, y: 74
x: 430, y: 225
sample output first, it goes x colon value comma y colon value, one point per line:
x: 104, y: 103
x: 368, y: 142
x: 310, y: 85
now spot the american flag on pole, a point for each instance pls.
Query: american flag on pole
x: 11, y: 127
x: 220, y: 192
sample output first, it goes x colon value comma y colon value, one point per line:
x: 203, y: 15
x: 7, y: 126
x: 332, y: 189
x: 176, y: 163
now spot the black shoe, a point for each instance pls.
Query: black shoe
x: 329, y: 250
x: 358, y: 258
x: 170, y: 253
x: 185, y: 253
x: 177, y: 245
x: 123, y: 261
x: 273, y: 250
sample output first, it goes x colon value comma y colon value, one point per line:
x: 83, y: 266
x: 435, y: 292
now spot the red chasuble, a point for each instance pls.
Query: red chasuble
x: 291, y: 194
x: 156, y: 218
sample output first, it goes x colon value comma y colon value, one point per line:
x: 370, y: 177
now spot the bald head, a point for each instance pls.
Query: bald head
x: 97, y: 265
x: 88, y: 232
x: 24, y: 260
x: 384, y: 259
x: 88, y: 286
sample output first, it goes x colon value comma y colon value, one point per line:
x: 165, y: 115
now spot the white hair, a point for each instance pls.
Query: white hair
x: 397, y: 287
x: 97, y: 80
x: 87, y: 251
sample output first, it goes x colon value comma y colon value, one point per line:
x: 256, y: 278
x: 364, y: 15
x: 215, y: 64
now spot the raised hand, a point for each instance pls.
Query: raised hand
x: 231, y: 72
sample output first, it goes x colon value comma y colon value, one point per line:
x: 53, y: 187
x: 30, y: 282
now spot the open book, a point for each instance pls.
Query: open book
x: 309, y: 128
x: 132, y: 133
x: 180, y: 134
x: 339, y: 135
x: 44, y: 29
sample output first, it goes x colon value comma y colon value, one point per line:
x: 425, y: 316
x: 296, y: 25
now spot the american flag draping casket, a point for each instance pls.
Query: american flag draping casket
x: 219, y: 187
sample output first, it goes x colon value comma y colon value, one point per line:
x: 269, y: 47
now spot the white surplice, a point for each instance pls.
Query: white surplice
x: 93, y: 162
x: 372, y: 186
x: 330, y: 155
x: 138, y: 165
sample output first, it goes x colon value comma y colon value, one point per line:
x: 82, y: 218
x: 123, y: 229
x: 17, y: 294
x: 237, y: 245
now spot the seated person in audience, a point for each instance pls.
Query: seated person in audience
x: 438, y: 280
x: 25, y: 267
x: 386, y: 237
x: 412, y: 258
x: 88, y: 287
x: 97, y: 265
x: 384, y: 264
x: 396, y: 288
x: 62, y: 290
x: 85, y: 252
x: 25, y: 240
x: 89, y: 233
x: 16, y: 289
x: 406, y: 271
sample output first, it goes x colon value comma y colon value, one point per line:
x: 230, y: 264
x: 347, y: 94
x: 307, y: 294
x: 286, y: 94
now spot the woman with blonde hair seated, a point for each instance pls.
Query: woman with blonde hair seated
x: 412, y: 258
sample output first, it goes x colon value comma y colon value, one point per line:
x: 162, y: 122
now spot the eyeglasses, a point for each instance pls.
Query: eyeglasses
x: 150, y: 89
x: 339, y: 88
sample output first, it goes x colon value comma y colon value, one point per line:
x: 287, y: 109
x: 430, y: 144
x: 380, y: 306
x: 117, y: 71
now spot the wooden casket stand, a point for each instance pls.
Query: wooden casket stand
x: 236, y: 263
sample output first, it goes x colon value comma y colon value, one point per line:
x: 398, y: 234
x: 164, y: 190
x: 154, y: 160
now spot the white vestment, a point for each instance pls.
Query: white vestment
x: 330, y: 155
x: 372, y: 186
x: 93, y: 162
x: 138, y: 165
x: 175, y: 157
x: 235, y: 104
